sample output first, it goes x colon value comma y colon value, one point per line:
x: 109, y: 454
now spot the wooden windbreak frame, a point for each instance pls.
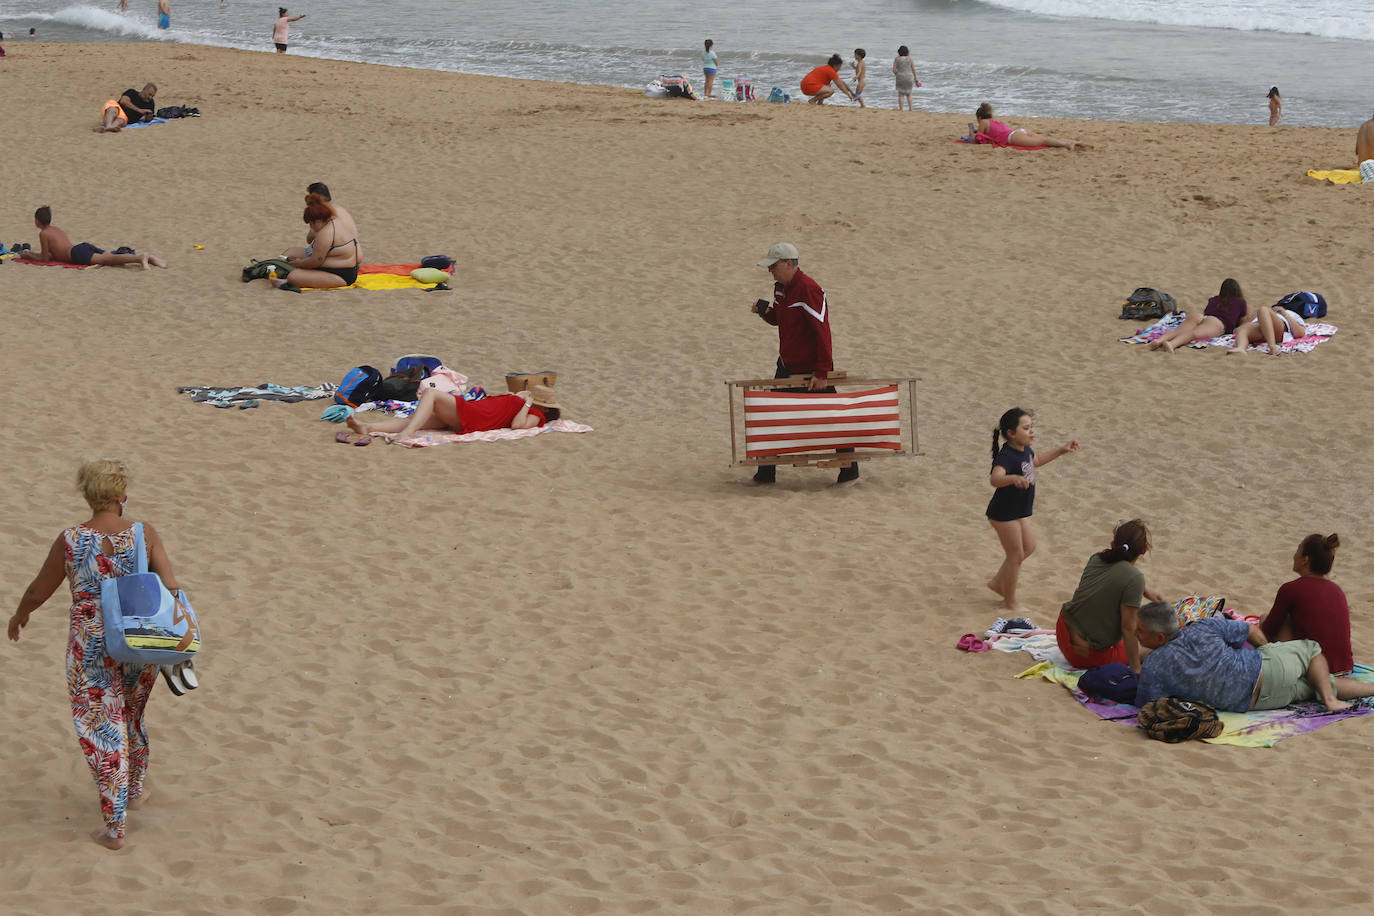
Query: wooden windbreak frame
x: 826, y: 459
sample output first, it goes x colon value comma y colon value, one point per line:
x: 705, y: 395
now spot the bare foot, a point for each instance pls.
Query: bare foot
x: 1337, y: 705
x: 1167, y: 344
x: 104, y: 839
x: 357, y: 427
x: 1235, y: 351
x: 153, y: 260
x: 1155, y: 344
x: 138, y: 802
x: 996, y: 590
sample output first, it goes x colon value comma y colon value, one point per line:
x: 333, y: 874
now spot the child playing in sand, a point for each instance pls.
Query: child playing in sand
x: 1009, y: 511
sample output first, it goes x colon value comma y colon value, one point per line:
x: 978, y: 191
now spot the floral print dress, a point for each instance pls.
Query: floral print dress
x: 108, y: 698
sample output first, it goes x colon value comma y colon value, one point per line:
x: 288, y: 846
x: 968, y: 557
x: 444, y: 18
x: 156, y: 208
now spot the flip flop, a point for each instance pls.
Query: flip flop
x: 365, y: 440
x: 289, y: 287
x: 186, y: 673
x: 966, y: 642
x: 343, y: 438
x: 173, y: 683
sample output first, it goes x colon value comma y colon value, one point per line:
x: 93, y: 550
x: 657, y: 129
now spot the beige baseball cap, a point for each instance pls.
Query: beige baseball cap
x: 782, y: 251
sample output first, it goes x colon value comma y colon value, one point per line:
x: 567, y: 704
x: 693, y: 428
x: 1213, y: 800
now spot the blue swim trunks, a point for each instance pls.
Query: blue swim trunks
x: 82, y: 252
x: 164, y: 21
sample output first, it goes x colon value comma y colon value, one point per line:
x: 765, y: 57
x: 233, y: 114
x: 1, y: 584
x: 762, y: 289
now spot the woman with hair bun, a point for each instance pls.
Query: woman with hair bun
x: 1312, y: 606
x: 1097, y: 625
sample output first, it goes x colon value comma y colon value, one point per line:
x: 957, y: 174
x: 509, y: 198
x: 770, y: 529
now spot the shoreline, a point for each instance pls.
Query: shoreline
x: 592, y: 673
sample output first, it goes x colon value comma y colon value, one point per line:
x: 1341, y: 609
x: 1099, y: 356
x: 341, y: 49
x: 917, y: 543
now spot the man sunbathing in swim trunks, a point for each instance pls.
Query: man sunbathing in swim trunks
x: 55, y: 246
x: 1364, y: 151
x: 112, y: 118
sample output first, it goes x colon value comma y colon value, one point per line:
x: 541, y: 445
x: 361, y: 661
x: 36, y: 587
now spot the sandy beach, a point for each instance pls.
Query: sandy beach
x: 589, y: 673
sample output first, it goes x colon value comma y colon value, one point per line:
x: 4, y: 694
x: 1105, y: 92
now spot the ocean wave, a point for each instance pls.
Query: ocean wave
x: 1353, y: 21
x: 100, y: 20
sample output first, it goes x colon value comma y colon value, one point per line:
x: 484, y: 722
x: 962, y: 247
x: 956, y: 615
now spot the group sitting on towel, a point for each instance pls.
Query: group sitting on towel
x: 1230, y: 664
x: 56, y: 248
x: 443, y: 410
x: 332, y: 254
x: 1226, y: 313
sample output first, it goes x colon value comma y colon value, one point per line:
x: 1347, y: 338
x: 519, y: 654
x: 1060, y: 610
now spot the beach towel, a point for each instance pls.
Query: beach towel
x: 984, y: 139
x: 267, y: 391
x: 51, y: 263
x: 1317, y: 333
x: 146, y: 123
x: 444, y: 436
x: 1157, y: 330
x: 1335, y: 176
x: 384, y: 276
x: 1263, y: 728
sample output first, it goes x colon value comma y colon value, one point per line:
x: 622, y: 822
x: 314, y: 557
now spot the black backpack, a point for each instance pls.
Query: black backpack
x: 403, y: 385
x: 1147, y: 302
x: 359, y: 386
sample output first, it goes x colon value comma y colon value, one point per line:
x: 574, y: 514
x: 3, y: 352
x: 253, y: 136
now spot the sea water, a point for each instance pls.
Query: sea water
x: 1209, y: 61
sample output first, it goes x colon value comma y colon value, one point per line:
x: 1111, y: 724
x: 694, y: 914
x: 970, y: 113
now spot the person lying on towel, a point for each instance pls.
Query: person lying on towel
x: 1231, y: 666
x: 55, y: 247
x: 441, y: 410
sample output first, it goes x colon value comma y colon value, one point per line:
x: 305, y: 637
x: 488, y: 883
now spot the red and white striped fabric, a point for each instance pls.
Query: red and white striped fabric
x: 786, y: 422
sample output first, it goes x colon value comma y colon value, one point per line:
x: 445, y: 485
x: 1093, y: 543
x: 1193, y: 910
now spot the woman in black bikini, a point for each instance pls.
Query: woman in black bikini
x: 332, y: 262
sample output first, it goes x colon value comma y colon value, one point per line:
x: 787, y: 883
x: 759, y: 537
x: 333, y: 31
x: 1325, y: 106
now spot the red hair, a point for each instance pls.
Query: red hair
x: 317, y: 209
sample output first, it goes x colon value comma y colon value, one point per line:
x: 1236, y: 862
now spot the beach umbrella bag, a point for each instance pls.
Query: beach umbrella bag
x: 144, y: 623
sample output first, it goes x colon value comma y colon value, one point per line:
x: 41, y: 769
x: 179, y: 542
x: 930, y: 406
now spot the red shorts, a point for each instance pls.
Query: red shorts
x: 1096, y: 659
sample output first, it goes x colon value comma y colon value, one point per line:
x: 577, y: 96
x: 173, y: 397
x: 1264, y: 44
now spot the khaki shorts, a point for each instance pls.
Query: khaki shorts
x: 1283, y: 670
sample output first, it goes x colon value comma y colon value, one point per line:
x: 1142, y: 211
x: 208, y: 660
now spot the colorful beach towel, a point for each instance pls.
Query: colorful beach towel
x: 1157, y: 330
x: 1317, y: 333
x: 1243, y: 729
x: 1335, y: 176
x: 384, y: 276
x: 442, y: 436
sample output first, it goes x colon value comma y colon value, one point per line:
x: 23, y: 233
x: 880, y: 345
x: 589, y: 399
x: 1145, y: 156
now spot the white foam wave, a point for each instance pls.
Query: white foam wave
x: 98, y: 20
x: 1353, y: 19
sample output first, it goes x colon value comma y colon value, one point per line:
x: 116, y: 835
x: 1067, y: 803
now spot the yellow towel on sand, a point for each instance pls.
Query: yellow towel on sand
x: 1335, y: 176
x: 394, y: 281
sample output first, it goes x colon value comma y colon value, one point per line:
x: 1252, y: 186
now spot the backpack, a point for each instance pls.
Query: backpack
x: 1173, y: 720
x: 777, y: 95
x: 411, y: 360
x: 401, y: 386
x: 1112, y: 681
x: 1308, y: 305
x: 358, y: 386
x: 1147, y: 302
x: 257, y: 270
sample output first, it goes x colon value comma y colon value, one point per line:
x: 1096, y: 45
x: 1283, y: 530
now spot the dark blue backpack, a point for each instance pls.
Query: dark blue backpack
x: 1113, y: 681
x: 417, y: 360
x: 358, y: 386
x: 1308, y: 305
x: 439, y: 261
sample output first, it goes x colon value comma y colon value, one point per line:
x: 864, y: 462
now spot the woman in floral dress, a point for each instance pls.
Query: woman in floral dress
x: 108, y: 698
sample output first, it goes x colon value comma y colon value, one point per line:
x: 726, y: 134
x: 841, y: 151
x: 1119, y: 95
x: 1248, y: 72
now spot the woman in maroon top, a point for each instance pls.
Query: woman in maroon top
x: 1312, y: 606
x: 1224, y: 312
x: 441, y: 410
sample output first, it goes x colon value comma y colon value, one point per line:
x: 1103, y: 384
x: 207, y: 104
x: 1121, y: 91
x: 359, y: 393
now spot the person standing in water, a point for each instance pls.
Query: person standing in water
x: 1275, y: 106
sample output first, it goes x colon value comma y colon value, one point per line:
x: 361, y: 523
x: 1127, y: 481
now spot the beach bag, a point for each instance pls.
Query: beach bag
x: 777, y: 95
x: 1308, y: 305
x: 257, y: 270
x: 1196, y: 607
x: 744, y: 89
x: 438, y: 262
x: 358, y: 386
x: 1113, y: 681
x: 401, y: 386
x: 421, y: 360
x: 446, y: 380
x: 1147, y: 302
x: 1173, y: 720
x: 677, y: 87
x: 523, y: 381
x: 144, y: 623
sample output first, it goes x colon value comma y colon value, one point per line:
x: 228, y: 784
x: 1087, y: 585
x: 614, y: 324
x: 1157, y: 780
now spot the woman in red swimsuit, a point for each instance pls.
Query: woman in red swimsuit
x: 441, y: 410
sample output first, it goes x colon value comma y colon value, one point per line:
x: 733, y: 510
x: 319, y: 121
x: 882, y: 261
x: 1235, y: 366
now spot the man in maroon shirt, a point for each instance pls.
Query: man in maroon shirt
x: 801, y: 314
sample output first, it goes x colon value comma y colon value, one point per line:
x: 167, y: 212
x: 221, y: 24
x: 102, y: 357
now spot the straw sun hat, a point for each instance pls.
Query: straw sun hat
x: 542, y: 396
